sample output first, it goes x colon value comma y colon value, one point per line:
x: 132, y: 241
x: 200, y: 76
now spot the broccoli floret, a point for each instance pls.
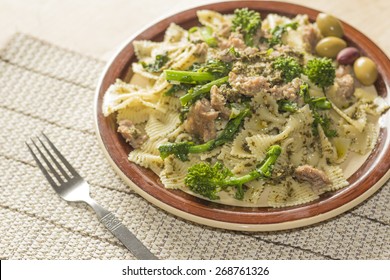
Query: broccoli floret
x: 247, y: 22
x: 199, y: 177
x: 208, y: 180
x: 182, y: 149
x: 278, y: 31
x: 289, y: 67
x: 160, y: 61
x: 321, y: 72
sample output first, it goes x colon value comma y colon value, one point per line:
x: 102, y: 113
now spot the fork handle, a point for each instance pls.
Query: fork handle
x: 121, y: 232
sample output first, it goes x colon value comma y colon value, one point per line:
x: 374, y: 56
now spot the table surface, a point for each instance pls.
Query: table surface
x: 98, y: 27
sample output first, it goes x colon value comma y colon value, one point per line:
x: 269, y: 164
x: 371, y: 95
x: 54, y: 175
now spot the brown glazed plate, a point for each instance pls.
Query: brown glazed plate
x: 367, y: 177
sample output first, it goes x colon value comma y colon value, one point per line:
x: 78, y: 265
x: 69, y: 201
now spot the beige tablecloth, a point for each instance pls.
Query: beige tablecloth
x: 47, y: 88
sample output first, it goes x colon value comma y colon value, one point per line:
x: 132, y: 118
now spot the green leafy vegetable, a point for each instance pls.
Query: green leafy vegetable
x: 278, y: 31
x: 233, y: 52
x: 287, y: 106
x: 317, y: 104
x: 208, y: 180
x: 199, y: 91
x: 247, y: 22
x: 188, y: 77
x: 160, y: 61
x: 208, y: 37
x: 177, y: 87
x: 206, y: 33
x: 321, y: 72
x: 321, y: 103
x: 289, y: 67
x: 182, y: 149
x: 325, y: 123
x: 216, y: 67
x: 200, y: 74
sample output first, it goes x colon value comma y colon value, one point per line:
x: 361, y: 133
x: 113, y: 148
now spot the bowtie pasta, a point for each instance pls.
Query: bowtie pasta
x: 261, y: 111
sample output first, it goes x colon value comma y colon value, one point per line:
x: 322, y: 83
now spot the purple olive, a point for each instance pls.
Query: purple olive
x: 348, y: 55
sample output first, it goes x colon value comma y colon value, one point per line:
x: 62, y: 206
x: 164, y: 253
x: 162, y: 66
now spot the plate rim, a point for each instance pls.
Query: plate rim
x: 246, y: 227
x: 299, y: 222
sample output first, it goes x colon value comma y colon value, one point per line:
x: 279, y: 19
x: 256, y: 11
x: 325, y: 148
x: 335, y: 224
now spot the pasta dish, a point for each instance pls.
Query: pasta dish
x: 255, y: 109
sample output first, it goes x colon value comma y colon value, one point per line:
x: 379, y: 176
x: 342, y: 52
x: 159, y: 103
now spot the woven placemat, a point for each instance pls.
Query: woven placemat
x: 46, y: 88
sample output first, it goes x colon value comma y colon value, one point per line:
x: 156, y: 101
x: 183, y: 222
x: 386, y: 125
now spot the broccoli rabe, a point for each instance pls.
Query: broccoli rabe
x: 208, y: 37
x: 188, y: 77
x: 321, y: 103
x: 208, y: 180
x: 199, y: 91
x: 182, y: 149
x: 216, y: 67
x: 287, y: 106
x: 316, y: 104
x: 321, y: 72
x: 278, y: 31
x: 176, y: 88
x: 247, y: 22
x: 199, y: 74
x: 325, y: 123
x: 206, y: 33
x: 289, y: 67
x: 160, y: 61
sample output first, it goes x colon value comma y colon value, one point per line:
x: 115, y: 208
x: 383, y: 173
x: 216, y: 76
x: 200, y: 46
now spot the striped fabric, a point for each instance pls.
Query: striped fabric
x: 46, y: 88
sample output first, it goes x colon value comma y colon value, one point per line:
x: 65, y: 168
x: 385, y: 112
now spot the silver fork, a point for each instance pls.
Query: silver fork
x: 72, y: 187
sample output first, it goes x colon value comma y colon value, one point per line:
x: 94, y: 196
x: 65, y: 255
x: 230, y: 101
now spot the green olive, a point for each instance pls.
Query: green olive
x: 365, y: 70
x: 329, y: 25
x: 330, y: 46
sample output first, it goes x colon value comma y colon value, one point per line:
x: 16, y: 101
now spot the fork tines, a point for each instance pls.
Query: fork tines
x: 55, y: 172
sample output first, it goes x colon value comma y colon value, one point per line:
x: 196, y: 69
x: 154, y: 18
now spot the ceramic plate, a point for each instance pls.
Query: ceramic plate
x: 365, y: 178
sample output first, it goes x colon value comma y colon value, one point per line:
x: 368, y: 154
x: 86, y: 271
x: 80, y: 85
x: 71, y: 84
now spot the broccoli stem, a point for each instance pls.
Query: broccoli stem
x: 208, y: 180
x: 231, y: 128
x: 188, y: 77
x: 182, y: 149
x: 264, y: 170
x: 321, y: 103
x: 207, y: 36
x: 195, y: 93
x: 287, y: 106
x: 197, y: 149
x: 316, y: 104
